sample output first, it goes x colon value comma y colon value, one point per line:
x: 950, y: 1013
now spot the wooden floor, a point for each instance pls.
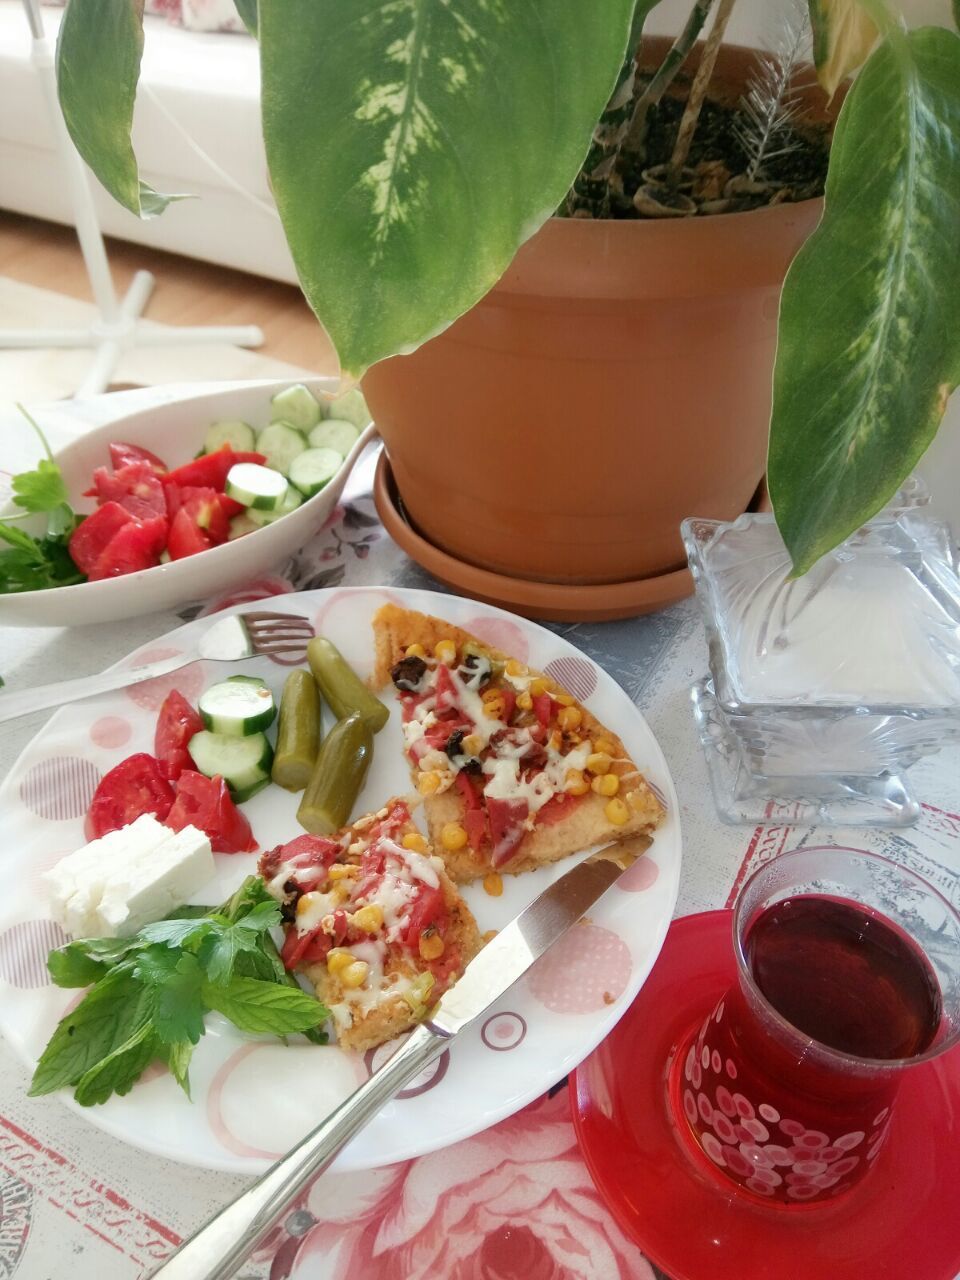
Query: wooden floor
x: 188, y: 292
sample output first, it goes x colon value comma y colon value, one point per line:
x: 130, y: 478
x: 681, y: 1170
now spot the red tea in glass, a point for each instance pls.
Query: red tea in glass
x: 843, y: 958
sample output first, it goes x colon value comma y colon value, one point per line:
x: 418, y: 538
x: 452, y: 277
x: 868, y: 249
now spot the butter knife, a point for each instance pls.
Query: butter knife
x: 222, y: 1244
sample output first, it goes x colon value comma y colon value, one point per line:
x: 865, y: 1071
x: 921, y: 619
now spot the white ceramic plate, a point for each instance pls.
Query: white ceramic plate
x: 253, y: 1099
x: 175, y: 430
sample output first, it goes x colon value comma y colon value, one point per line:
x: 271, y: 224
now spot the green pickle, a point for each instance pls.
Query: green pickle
x: 341, y: 687
x: 342, y: 763
x: 298, y: 732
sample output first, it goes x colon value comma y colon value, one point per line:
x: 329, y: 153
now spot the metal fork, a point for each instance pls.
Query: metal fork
x: 229, y: 640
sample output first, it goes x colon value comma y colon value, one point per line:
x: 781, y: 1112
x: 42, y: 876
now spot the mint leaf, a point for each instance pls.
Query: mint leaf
x: 264, y: 1007
x: 178, y: 1009
x: 120, y: 1070
x: 106, y: 1018
x: 81, y: 963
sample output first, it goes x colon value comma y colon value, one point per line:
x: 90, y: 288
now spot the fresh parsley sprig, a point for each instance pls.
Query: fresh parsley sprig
x: 29, y: 563
x: 149, y: 995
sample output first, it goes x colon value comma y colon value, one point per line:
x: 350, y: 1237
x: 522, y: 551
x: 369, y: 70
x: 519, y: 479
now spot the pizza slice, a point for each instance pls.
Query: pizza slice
x: 373, y: 921
x: 514, y: 771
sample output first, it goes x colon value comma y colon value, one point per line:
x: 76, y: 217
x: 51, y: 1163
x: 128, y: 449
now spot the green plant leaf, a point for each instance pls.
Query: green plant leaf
x: 120, y: 1070
x: 107, y: 1017
x: 869, y: 346
x: 247, y: 10
x: 413, y: 145
x: 258, y: 1007
x: 843, y: 35
x: 98, y: 66
x: 956, y: 13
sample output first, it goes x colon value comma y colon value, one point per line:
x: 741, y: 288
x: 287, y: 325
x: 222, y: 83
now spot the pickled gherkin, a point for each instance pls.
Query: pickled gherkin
x: 298, y: 732
x: 341, y: 687
x: 342, y: 763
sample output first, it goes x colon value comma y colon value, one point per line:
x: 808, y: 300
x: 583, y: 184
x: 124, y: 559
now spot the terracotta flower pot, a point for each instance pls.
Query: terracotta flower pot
x: 616, y: 380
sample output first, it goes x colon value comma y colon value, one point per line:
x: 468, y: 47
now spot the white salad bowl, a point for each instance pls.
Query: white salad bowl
x: 175, y: 430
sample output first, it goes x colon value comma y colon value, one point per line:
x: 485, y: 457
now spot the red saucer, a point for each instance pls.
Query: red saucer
x: 901, y: 1221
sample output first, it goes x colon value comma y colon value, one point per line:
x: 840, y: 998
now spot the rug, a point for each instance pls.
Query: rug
x: 54, y: 374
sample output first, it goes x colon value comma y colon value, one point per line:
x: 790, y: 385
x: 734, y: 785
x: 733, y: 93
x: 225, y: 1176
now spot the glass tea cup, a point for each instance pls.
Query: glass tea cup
x: 848, y: 969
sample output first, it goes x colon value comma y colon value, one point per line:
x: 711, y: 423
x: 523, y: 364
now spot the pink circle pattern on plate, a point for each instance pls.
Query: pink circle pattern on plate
x: 499, y: 633
x: 577, y: 675
x: 642, y: 875
x: 150, y: 694
x: 60, y: 789
x: 110, y: 732
x: 428, y: 1079
x: 503, y: 1031
x: 24, y: 948
x: 771, y: 1155
x: 588, y: 968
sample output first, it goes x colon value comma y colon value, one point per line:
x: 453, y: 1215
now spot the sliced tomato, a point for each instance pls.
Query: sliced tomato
x: 121, y: 454
x: 398, y: 815
x: 135, y: 546
x: 205, y: 509
x: 135, y: 486
x: 180, y: 495
x: 210, y: 471
x: 186, y: 537
x: 205, y: 803
x: 506, y: 828
x: 310, y: 948
x: 132, y: 788
x: 428, y: 908
x: 446, y: 691
x: 509, y: 703
x: 177, y: 722
x: 91, y: 537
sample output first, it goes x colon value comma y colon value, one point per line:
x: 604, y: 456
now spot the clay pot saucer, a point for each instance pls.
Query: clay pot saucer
x: 547, y: 601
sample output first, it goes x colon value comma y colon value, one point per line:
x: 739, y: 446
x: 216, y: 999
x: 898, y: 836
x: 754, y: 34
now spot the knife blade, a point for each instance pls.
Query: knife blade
x: 223, y: 1244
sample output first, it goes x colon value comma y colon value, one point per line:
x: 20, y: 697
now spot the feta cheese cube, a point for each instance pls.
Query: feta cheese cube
x: 128, y: 878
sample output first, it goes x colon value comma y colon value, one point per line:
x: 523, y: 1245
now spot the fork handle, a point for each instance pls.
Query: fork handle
x: 13, y: 705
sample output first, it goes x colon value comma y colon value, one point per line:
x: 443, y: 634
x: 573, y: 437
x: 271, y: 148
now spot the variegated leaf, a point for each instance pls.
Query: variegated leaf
x: 843, y: 35
x: 247, y: 9
x: 414, y: 144
x: 98, y: 66
x: 869, y: 347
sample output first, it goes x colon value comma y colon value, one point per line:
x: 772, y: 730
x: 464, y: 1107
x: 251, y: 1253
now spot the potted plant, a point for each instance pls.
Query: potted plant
x: 618, y: 376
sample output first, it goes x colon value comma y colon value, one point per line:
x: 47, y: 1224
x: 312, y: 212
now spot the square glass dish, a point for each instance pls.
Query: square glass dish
x: 824, y: 690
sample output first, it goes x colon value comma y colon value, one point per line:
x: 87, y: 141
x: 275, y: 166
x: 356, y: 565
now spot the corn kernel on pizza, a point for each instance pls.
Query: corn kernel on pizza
x: 514, y: 771
x: 373, y: 921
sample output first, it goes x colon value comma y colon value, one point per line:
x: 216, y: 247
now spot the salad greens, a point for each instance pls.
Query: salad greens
x: 149, y: 994
x: 29, y: 563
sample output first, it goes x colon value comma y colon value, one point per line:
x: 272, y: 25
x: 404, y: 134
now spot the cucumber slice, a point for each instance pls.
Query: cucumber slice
x: 297, y: 406
x: 238, y: 435
x: 350, y: 407
x: 292, y: 499
x: 238, y: 707
x: 243, y: 524
x: 313, y: 469
x: 243, y: 763
x: 256, y: 486
x: 334, y: 433
x: 280, y: 443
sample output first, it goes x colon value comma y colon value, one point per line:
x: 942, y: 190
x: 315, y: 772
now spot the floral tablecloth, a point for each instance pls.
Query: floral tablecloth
x: 512, y: 1203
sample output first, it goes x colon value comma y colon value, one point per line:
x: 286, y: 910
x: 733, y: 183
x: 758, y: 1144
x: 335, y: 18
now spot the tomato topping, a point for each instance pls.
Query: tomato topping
x: 122, y: 454
x: 132, y: 788
x: 205, y: 803
x: 186, y: 537
x: 409, y: 703
x: 543, y: 706
x: 90, y: 538
x: 205, y: 509
x: 136, y: 545
x: 427, y: 908
x: 474, y: 818
x: 304, y: 853
x: 135, y: 486
x: 557, y: 808
x: 176, y: 725
x: 398, y: 815
x: 506, y: 828
x: 446, y: 691
x: 210, y: 471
